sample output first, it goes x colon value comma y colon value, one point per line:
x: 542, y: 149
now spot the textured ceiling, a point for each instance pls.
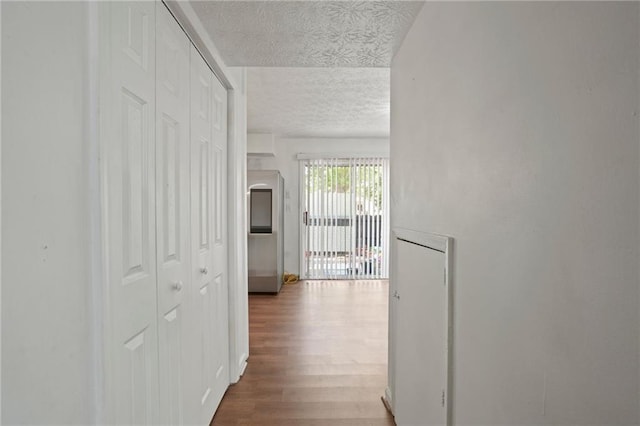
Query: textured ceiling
x: 319, y: 68
x: 307, y: 33
x: 319, y: 102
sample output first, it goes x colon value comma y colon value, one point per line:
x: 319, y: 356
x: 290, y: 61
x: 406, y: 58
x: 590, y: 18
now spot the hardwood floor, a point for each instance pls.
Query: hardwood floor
x: 318, y: 356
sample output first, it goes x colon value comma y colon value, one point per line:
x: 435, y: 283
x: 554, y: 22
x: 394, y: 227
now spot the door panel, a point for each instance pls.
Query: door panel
x: 201, y: 128
x: 201, y: 230
x: 135, y: 371
x: 204, y: 186
x: 219, y: 290
x: 135, y: 206
x: 208, y: 196
x: 206, y: 310
x: 421, y: 336
x: 129, y: 135
x: 219, y: 174
x: 172, y: 213
x: 172, y: 367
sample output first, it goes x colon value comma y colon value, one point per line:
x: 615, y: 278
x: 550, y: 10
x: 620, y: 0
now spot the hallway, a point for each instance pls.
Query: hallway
x: 318, y: 356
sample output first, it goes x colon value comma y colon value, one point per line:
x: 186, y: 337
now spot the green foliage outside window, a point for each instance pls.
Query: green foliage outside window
x: 368, y: 180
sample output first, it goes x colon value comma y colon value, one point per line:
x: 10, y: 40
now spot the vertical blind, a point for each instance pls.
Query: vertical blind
x: 345, y: 217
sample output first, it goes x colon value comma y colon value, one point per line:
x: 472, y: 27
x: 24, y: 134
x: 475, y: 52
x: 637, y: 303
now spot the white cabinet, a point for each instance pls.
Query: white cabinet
x: 163, y: 141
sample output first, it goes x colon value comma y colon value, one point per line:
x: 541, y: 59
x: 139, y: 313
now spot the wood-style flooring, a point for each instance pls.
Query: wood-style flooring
x: 318, y: 356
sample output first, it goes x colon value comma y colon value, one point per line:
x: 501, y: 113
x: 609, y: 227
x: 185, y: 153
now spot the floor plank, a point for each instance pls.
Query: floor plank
x: 318, y: 357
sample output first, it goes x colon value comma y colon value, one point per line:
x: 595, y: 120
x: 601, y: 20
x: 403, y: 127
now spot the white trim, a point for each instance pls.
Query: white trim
x: 236, y: 223
x: 103, y: 311
x: 302, y: 237
x: 98, y: 288
x: 427, y: 239
x: 232, y: 241
x: 391, y: 364
x: 242, y: 366
x: 338, y: 155
x: 192, y: 26
x: 388, y: 397
x: 0, y: 210
x: 443, y: 244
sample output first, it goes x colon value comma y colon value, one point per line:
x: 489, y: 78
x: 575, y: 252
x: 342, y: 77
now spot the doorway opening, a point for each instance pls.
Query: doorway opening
x: 345, y: 212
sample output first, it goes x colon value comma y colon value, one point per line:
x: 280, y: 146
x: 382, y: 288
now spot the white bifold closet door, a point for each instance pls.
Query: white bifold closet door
x: 163, y: 125
x: 172, y: 215
x: 219, y: 298
x: 208, y: 238
x: 128, y: 126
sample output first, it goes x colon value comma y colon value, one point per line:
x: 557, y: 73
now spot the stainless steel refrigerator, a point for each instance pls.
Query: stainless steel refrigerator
x: 265, y: 191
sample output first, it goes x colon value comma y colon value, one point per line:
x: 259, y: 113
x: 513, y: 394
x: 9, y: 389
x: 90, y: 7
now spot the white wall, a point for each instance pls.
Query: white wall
x: 285, y: 161
x: 515, y: 130
x: 237, y: 169
x: 46, y: 374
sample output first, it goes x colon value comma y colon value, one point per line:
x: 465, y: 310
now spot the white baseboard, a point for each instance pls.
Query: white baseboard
x: 388, y: 400
x: 242, y: 364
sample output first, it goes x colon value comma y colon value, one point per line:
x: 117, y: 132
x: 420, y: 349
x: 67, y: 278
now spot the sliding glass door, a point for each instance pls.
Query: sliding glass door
x: 345, y: 220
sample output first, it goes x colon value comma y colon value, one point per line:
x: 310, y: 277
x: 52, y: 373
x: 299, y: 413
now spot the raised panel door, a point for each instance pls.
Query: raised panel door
x: 219, y: 290
x: 202, y: 231
x: 128, y: 174
x: 172, y: 212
